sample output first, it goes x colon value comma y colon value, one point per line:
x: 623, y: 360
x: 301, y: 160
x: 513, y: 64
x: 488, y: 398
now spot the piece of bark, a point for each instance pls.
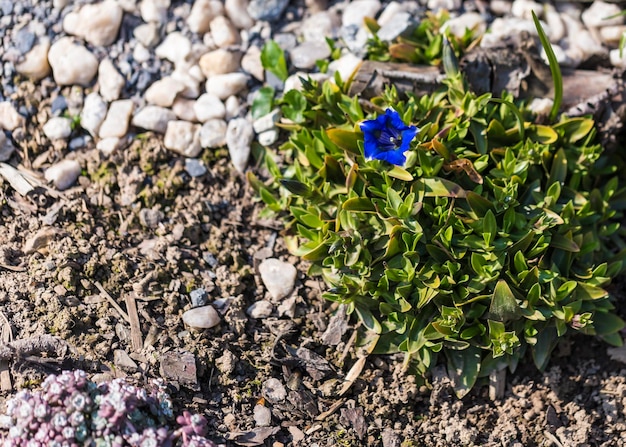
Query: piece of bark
x: 180, y: 366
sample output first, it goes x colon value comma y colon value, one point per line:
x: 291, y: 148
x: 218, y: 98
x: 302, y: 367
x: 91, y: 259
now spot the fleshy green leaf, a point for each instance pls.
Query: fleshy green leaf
x: 504, y: 306
x: 273, y: 60
x: 463, y: 369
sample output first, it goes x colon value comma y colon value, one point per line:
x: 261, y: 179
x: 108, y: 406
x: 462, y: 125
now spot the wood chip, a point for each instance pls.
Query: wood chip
x: 180, y: 366
x: 352, y: 375
x: 136, y: 338
x: 7, y: 337
x: 112, y: 302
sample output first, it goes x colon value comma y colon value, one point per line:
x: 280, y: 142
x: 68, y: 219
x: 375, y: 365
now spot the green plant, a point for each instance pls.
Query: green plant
x: 495, y: 238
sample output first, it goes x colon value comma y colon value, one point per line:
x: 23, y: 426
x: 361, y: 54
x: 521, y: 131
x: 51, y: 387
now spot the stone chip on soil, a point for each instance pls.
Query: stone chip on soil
x: 72, y: 63
x: 180, y: 366
x: 63, y: 174
x: 239, y: 136
x: 278, y: 276
x: 183, y: 137
x: 204, y: 317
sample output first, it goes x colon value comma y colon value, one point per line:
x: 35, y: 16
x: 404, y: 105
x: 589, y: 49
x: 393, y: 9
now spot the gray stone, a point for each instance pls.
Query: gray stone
x: 122, y: 360
x: 268, y: 10
x: 262, y: 415
x: 239, y: 136
x: 24, y: 40
x: 6, y: 147
x: 307, y: 53
x: 195, y: 168
x: 204, y: 317
x: 260, y: 309
x: 274, y: 391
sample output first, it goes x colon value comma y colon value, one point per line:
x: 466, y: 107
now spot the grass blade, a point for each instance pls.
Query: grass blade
x: 554, y: 69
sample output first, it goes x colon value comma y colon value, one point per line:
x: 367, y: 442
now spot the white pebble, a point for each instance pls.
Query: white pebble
x: 63, y: 174
x: 116, y: 122
x: 110, y: 81
x: 541, y: 106
x: 356, y: 11
x: 219, y: 61
x: 204, y: 317
x: 163, y: 91
x: 524, y: 8
x: 208, y: 107
x: 612, y: 35
x: 262, y: 415
x: 294, y: 82
x: 153, y: 118
x: 239, y: 136
x: 266, y: 122
x: 147, y: 34
x: 278, y: 277
x: 9, y: 118
x: 72, y: 63
x: 141, y: 54
x: 233, y: 107
x: 251, y: 63
x: 108, y: 145
x: 35, y: 64
x: 584, y: 41
x: 213, y: 134
x: 93, y: 113
x: 154, y: 10
x: 227, y: 84
x: 202, y: 12
x: 596, y: 15
x: 555, y: 24
x: 183, y: 137
x: 319, y: 25
x: 237, y: 12
x: 223, y: 32
x: 390, y: 10
x: 58, y: 128
x: 307, y: 53
x: 183, y: 109
x: 98, y: 23
x: 468, y: 21
x: 175, y: 48
x: 6, y: 147
x: 346, y: 65
x: 616, y: 60
x: 260, y: 309
x: 268, y: 137
x: 190, y: 78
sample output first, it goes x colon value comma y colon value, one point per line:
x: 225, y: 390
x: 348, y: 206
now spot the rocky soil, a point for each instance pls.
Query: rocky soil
x: 129, y: 232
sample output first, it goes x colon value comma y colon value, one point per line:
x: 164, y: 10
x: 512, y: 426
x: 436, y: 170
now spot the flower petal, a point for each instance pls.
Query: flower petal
x: 407, y: 137
x: 393, y: 157
x: 394, y: 120
x: 370, y: 146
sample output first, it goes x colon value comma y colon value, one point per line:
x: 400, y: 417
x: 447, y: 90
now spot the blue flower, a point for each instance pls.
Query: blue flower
x: 387, y: 138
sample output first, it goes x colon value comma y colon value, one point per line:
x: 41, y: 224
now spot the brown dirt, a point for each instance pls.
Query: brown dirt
x: 137, y: 224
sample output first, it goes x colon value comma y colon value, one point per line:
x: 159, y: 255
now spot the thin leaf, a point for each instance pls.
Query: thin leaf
x: 555, y: 70
x: 504, y: 306
x: 345, y: 139
x: 439, y: 187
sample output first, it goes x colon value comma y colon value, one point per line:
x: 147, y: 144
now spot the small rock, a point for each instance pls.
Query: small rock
x: 110, y: 81
x: 278, y: 277
x: 163, y: 92
x: 195, y: 168
x: 307, y: 53
x: 401, y: 23
x: 612, y: 35
x: 268, y: 10
x: 390, y: 10
x: 266, y: 122
x: 147, y: 34
x: 179, y: 366
x: 226, y: 85
x: 260, y: 309
x: 297, y: 435
x: 237, y: 12
x: 58, y: 128
x: 150, y: 217
x: 223, y: 32
x: 346, y: 65
x: 116, y: 122
x: 268, y: 137
x: 108, y: 145
x: 213, y: 134
x: 586, y: 43
x: 204, y: 317
x: 201, y: 14
x: 219, y: 61
x: 468, y: 21
x: 251, y: 63
x: 35, y: 64
x: 262, y: 415
x: 63, y: 174
x: 233, y: 107
x: 190, y: 78
x: 175, y: 48
x: 6, y: 147
x: 555, y: 24
x: 183, y: 109
x: 183, y: 137
x: 239, y: 136
x: 97, y: 23
x: 597, y: 14
x: 294, y: 82
x: 9, y: 118
x: 616, y: 59
x: 318, y: 26
x: 23, y: 40
x: 59, y: 105
x: 209, y: 107
x: 78, y: 142
x: 122, y: 360
x: 72, y: 63
x: 274, y: 391
x: 154, y: 10
x: 226, y: 363
x: 390, y: 438
x: 93, y: 113
x: 521, y: 8
x: 356, y: 11
x: 153, y: 118
x: 287, y: 307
